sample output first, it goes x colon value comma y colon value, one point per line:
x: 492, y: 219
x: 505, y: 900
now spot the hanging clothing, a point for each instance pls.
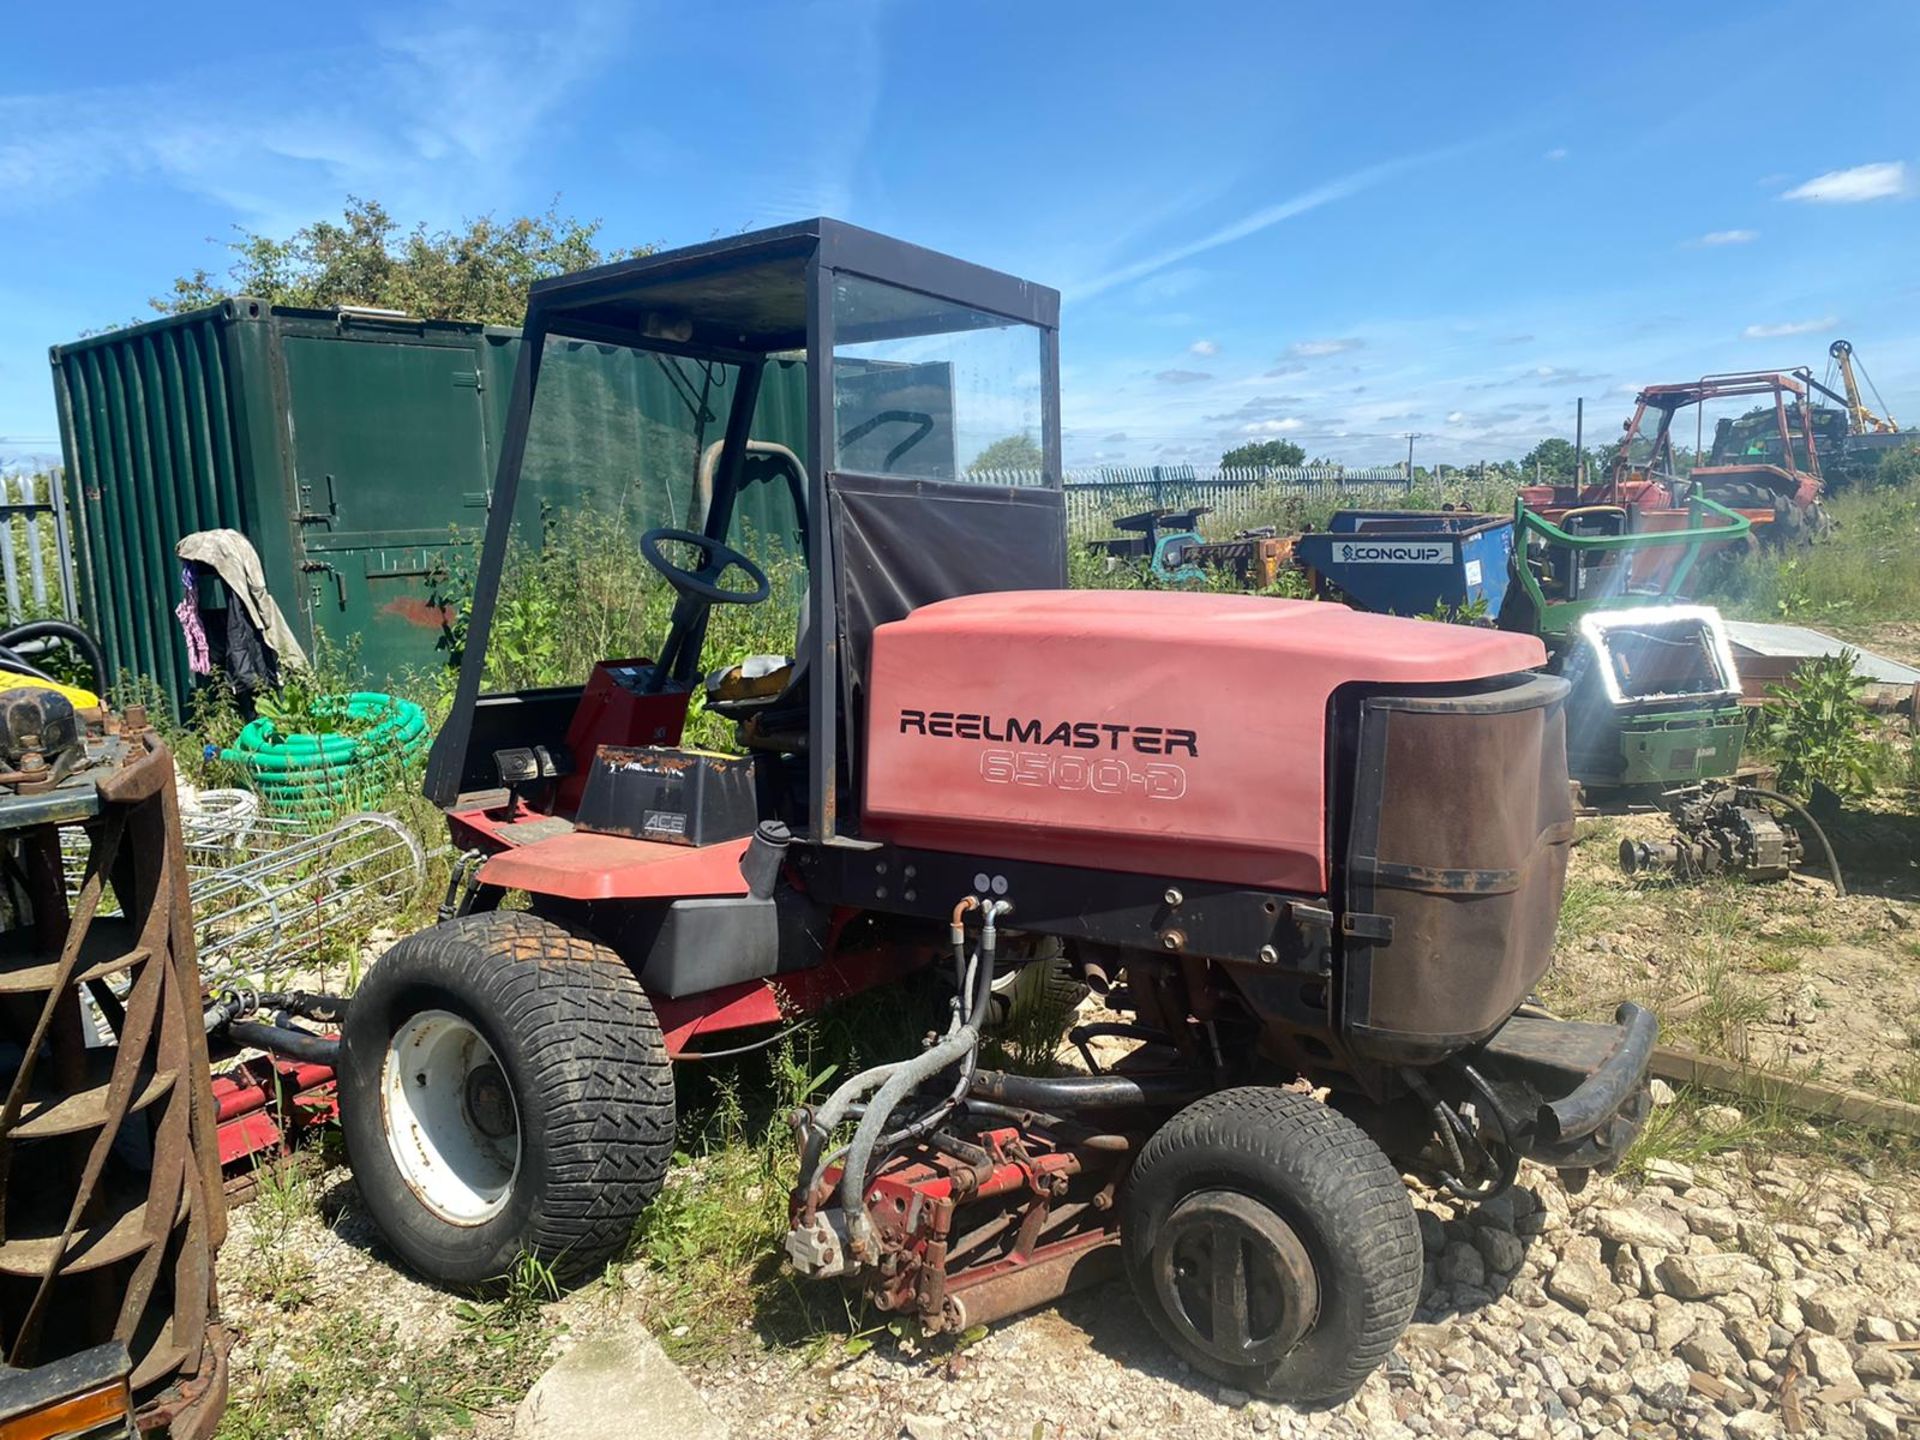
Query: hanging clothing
x: 250, y: 639
x: 231, y: 556
x: 187, y: 612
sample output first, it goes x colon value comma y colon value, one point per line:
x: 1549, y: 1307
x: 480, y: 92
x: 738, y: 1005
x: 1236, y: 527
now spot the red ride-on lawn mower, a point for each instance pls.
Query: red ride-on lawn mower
x: 1316, y: 855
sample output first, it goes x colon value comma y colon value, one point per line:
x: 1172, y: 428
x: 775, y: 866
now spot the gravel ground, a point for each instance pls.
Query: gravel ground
x: 1746, y: 1299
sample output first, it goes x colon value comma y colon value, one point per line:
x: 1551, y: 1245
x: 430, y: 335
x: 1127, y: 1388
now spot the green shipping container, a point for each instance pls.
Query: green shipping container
x: 356, y: 451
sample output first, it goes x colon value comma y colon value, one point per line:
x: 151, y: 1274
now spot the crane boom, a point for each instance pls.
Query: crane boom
x: 1860, y: 419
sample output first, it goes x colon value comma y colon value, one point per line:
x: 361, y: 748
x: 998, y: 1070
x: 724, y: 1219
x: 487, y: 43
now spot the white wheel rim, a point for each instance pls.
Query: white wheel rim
x: 451, y: 1118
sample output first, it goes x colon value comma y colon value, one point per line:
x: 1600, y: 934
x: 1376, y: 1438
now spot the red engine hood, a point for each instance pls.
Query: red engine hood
x: 1154, y: 732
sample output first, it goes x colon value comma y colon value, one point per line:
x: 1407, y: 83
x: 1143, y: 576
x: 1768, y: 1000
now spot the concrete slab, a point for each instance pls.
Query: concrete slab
x: 1797, y: 642
x: 612, y: 1387
x: 1766, y: 655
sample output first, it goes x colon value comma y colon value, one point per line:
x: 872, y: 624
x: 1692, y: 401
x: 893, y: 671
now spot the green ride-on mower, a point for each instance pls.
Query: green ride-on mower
x: 1655, y: 703
x: 1309, y: 852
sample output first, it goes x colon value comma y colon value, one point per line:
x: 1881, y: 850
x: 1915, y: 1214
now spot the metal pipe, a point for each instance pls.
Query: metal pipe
x: 1048, y: 1277
x: 250, y: 1098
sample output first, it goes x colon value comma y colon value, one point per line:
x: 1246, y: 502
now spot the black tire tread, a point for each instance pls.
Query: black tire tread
x: 594, y: 1050
x: 1334, y: 1170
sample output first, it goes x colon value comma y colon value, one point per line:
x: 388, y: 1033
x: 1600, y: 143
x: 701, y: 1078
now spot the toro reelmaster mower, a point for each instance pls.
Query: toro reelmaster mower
x: 1316, y: 856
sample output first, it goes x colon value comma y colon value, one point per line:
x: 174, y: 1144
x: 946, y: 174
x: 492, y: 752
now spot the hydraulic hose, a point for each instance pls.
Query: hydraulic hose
x: 285, y: 1040
x: 978, y: 984
x: 957, y: 1045
x: 73, y: 635
x: 231, y: 1005
x: 24, y: 666
x: 1826, y: 847
x: 824, y: 1121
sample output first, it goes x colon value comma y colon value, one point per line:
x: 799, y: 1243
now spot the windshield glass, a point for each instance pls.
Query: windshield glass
x: 924, y: 389
x: 621, y: 441
x: 1665, y: 443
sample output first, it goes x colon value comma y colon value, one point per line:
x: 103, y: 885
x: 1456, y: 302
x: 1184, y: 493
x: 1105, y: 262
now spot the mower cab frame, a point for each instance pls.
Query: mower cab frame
x: 743, y: 301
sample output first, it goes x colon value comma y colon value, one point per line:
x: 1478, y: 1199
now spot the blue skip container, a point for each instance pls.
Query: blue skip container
x: 1412, y: 562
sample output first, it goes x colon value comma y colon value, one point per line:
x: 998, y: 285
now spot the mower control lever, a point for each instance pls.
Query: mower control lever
x: 705, y: 582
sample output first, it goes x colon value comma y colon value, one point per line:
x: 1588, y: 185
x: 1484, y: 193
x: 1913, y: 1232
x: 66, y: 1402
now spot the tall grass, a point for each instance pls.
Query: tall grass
x: 1862, y: 569
x: 574, y: 591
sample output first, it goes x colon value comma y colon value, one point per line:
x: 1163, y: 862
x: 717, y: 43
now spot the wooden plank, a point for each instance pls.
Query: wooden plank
x: 1814, y: 1098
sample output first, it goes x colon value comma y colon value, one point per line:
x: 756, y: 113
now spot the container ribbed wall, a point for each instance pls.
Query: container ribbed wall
x: 355, y: 454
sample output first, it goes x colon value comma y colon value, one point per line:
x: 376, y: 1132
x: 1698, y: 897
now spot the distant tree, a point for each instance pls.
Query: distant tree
x: 478, y: 273
x: 1550, y: 458
x: 1010, y: 452
x: 1263, y: 455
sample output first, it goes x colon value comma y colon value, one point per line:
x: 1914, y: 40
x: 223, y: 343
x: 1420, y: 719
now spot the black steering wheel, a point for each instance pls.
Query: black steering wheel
x: 705, y: 582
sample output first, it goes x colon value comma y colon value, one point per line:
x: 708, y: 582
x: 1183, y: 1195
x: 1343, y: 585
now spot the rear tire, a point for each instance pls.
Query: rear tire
x: 504, y: 1090
x: 1322, y: 1262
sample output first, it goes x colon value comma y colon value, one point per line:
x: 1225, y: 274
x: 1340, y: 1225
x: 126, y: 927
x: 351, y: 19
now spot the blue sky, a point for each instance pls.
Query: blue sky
x: 1328, y: 223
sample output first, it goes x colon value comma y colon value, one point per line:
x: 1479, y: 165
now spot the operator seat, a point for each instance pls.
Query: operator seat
x: 766, y: 695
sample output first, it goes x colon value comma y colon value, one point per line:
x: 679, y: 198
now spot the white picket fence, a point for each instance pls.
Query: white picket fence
x: 1095, y: 495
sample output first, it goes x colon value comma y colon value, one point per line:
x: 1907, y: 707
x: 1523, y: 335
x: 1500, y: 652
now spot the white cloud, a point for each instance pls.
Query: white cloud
x: 1316, y: 349
x: 1273, y: 427
x: 1558, y: 152
x: 1789, y: 327
x: 1253, y: 223
x: 1205, y: 349
x: 1886, y: 180
x: 1728, y: 237
x: 372, y: 117
x: 1456, y: 417
x: 1182, y: 377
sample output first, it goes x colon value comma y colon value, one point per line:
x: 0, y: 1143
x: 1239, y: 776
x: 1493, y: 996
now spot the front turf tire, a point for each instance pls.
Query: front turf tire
x: 504, y: 1091
x: 1272, y: 1243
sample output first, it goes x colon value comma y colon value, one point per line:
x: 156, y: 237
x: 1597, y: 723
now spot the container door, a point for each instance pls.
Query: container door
x: 391, y: 472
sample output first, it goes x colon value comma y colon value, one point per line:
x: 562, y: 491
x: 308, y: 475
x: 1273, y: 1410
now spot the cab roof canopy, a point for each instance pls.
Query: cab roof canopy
x: 747, y: 295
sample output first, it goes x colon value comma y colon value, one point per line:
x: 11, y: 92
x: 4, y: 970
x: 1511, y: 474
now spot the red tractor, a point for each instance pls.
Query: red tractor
x: 1765, y: 465
x: 1315, y: 856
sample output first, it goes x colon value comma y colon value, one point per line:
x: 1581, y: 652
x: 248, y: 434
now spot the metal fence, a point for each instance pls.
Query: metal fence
x: 1097, y: 494
x: 36, y: 549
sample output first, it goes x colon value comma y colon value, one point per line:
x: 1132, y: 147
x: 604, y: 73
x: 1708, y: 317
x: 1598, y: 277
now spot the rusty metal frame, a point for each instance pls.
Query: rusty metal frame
x: 1669, y: 400
x: 112, y: 1261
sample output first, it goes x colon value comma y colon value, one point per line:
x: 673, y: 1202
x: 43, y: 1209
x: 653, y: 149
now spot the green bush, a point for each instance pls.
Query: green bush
x: 1898, y: 468
x: 1818, y: 728
x: 579, y: 593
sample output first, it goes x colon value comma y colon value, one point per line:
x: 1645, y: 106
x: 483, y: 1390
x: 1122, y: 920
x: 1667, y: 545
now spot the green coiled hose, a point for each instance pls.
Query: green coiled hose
x: 319, y: 774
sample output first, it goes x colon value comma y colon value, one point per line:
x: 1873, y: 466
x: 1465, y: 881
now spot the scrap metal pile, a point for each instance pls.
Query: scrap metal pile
x: 273, y: 894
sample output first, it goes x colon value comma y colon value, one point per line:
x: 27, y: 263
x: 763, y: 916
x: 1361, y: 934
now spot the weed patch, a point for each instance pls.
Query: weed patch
x: 352, y: 1373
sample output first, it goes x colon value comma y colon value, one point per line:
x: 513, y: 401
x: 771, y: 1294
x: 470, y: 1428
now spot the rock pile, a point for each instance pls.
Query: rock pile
x: 1759, y: 1298
x: 1786, y: 1300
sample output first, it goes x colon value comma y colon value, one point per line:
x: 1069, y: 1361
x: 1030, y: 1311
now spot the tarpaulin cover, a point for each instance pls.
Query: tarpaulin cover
x: 901, y: 544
